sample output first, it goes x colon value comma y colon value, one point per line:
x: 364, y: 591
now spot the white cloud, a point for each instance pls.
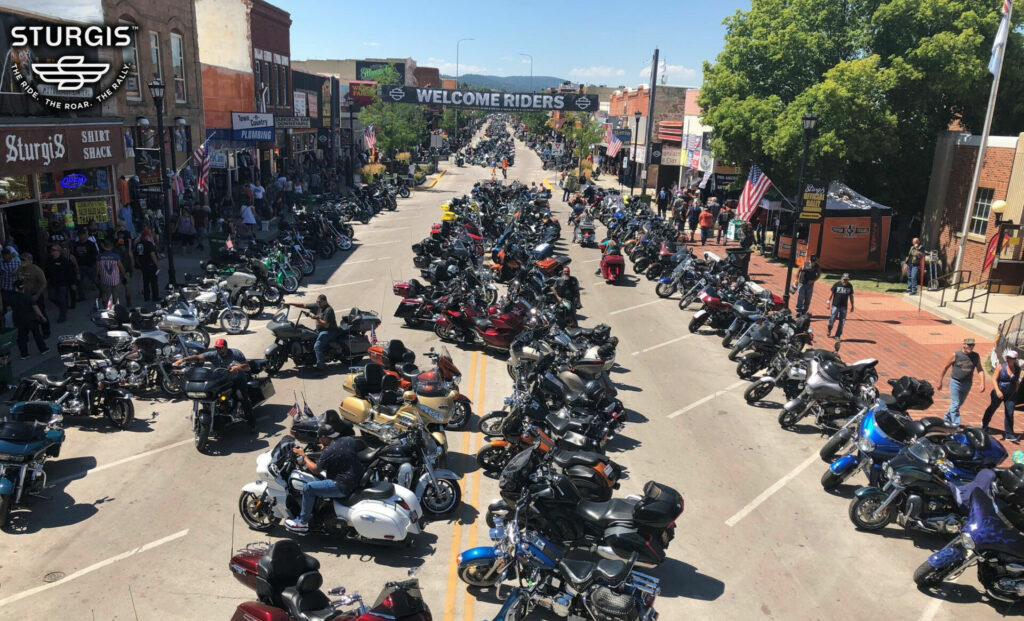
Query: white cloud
x: 449, y: 68
x: 371, y: 43
x: 596, y: 71
x: 674, y: 72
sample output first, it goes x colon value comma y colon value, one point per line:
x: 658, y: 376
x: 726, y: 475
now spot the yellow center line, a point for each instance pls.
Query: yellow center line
x: 548, y: 183
x: 470, y: 600
x: 453, y: 566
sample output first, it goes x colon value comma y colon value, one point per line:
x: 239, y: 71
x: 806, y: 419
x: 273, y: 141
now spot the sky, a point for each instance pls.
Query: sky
x: 597, y: 42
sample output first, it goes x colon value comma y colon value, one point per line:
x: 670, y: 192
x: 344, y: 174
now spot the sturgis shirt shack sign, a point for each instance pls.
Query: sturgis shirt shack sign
x: 27, y: 150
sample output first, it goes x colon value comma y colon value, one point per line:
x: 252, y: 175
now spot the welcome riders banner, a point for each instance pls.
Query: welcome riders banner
x: 570, y: 102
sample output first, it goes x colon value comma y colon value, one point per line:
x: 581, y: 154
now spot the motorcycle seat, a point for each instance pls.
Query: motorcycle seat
x: 567, y: 459
x: 44, y: 379
x: 397, y: 353
x: 305, y: 601
x: 558, y: 424
x: 280, y: 568
x: 368, y: 454
x: 378, y: 491
x: 482, y: 323
x: 581, y: 572
x: 409, y: 371
x: 605, y: 513
x: 585, y: 333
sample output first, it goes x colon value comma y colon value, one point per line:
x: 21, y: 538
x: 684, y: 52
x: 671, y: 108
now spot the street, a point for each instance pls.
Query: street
x: 137, y: 524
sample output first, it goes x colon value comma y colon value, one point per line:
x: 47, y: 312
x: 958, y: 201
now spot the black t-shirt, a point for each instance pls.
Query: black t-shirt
x: 59, y: 271
x: 230, y: 357
x: 340, y: 461
x: 21, y: 308
x: 144, y: 250
x: 85, y: 253
x: 58, y: 236
x: 326, y: 313
x: 567, y: 287
x: 808, y: 274
x: 964, y: 366
x: 841, y: 294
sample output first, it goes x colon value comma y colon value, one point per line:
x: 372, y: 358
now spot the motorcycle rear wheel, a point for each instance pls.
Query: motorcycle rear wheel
x: 862, y: 508
x: 757, y: 391
x: 271, y: 295
x: 491, y: 459
x: 121, y: 413
x: 234, y: 321
x: 435, y: 504
x: 665, y: 289
x: 252, y: 305
x: 253, y: 514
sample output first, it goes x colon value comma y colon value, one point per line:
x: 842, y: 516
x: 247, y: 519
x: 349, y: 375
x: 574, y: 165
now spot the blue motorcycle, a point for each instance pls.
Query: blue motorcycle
x: 605, y: 589
x: 30, y: 433
x: 986, y: 540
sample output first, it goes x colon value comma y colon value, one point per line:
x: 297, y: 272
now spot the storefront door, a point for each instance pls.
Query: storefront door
x: 21, y: 227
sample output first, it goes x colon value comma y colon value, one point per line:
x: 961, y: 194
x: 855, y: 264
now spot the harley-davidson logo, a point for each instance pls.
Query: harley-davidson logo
x: 396, y: 93
x: 850, y: 231
x: 583, y: 102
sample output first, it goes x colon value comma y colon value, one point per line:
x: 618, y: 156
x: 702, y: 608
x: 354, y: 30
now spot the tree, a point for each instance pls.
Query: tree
x: 884, y: 76
x: 399, y: 127
x: 536, y: 121
x: 582, y: 132
x: 447, y: 122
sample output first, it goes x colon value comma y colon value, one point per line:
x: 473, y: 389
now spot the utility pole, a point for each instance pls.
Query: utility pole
x: 650, y: 123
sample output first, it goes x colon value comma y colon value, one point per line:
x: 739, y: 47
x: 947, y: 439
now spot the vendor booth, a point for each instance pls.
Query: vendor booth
x: 856, y: 232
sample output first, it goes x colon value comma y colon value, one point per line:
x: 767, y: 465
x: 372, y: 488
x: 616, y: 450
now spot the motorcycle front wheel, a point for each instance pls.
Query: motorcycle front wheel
x: 307, y: 267
x: 325, y: 249
x: 121, y: 413
x: 474, y: 575
x: 665, y: 289
x: 202, y: 336
x: 256, y: 512
x: 927, y: 576
x: 830, y: 480
x: 344, y: 242
x: 403, y: 192
x: 252, y: 305
x: 202, y: 437
x: 5, y: 509
x: 757, y: 391
x: 461, y: 417
x: 688, y: 298
x: 835, y: 443
x: 289, y: 284
x: 863, y: 508
x: 445, y: 332
x: 787, y: 418
x: 173, y: 384
x: 271, y: 295
x: 365, y: 219
x: 275, y: 363
x: 696, y: 323
x: 490, y: 425
x: 441, y: 499
x: 747, y: 367
x: 490, y: 297
x: 491, y: 459
x: 234, y: 321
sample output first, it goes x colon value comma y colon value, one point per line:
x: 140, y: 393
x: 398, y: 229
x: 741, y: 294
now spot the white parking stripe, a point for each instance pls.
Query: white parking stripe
x: 707, y: 398
x: 593, y: 260
x: 113, y: 464
x: 91, y: 568
x: 387, y: 229
x: 766, y: 494
x: 347, y: 263
x: 344, y: 284
x: 660, y: 345
x: 623, y: 310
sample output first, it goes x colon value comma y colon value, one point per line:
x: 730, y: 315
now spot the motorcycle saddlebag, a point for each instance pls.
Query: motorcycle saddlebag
x: 660, y: 506
x: 912, y: 393
x: 356, y: 410
x: 402, y: 289
x: 626, y: 540
x: 260, y: 389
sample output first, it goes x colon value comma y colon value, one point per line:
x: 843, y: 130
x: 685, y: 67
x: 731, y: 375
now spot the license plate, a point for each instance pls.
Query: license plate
x: 607, y: 470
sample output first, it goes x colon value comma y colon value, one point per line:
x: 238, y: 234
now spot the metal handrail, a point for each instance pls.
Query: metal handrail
x: 942, y: 298
x: 975, y: 295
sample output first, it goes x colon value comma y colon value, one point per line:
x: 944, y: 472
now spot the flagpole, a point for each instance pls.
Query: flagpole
x: 972, y: 196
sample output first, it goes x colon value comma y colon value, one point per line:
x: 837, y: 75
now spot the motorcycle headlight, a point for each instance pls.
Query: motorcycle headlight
x: 865, y: 445
x: 888, y: 471
x: 967, y: 540
x: 223, y: 396
x: 110, y: 373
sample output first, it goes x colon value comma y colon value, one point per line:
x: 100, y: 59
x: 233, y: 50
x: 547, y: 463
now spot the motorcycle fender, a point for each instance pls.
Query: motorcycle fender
x: 794, y: 404
x: 700, y: 314
x: 484, y: 555
x: 846, y: 463
x: 424, y: 481
x: 864, y: 491
x: 256, y: 487
x: 406, y: 309
x: 766, y: 379
x: 463, y: 398
x: 954, y: 553
x: 498, y: 443
x: 271, y: 352
x: 118, y: 393
x: 6, y: 487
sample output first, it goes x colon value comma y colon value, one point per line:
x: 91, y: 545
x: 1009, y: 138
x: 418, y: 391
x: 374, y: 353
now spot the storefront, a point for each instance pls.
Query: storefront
x: 57, y: 173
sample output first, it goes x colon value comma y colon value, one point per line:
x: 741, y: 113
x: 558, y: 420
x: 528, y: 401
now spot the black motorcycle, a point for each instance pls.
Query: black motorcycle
x: 90, y: 388
x: 294, y: 340
x: 215, y: 406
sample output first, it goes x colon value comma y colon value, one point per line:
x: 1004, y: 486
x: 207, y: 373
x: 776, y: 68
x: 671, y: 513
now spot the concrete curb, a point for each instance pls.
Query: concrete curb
x: 434, y: 182
x: 979, y: 325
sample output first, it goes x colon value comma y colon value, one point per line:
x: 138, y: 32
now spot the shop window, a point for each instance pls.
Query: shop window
x: 283, y: 82
x: 130, y: 55
x: 154, y: 50
x: 75, y: 183
x: 258, y: 73
x: 982, y: 207
x: 178, y: 66
x: 272, y: 83
x: 15, y: 188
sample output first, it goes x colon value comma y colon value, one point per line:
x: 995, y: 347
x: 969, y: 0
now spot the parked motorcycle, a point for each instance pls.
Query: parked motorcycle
x: 215, y: 406
x: 295, y: 341
x: 30, y: 434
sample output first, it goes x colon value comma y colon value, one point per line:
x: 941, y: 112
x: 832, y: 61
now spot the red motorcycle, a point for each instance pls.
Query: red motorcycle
x: 716, y: 310
x: 612, y: 265
x: 287, y: 584
x: 461, y: 321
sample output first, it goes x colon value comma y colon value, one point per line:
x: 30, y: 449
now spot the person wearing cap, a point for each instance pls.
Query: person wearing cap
x: 965, y: 362
x: 1006, y: 378
x: 808, y: 274
x: 27, y: 318
x: 223, y: 357
x: 339, y: 465
x: 567, y: 287
x: 914, y: 257
x: 86, y: 254
x: 326, y: 326
x: 33, y: 280
x: 841, y: 295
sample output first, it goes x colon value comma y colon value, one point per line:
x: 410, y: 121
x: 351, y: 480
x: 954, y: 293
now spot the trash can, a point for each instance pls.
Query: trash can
x: 7, y: 338
x: 738, y: 257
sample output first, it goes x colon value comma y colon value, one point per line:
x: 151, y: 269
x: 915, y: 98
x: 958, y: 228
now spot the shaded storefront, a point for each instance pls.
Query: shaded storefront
x: 57, y: 172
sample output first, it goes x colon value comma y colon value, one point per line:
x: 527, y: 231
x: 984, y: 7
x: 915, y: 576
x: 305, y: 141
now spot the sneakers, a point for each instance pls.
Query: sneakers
x: 1011, y: 438
x: 296, y: 525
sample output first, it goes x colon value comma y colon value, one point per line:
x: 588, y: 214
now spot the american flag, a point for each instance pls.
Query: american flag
x: 754, y: 190
x: 292, y: 413
x: 999, y: 44
x: 370, y: 137
x: 559, y: 123
x: 202, y: 156
x: 614, y: 144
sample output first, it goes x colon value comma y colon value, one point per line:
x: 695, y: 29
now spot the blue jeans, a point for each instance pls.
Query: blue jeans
x: 958, y: 392
x: 317, y: 489
x: 1009, y: 401
x: 912, y: 273
x: 803, y: 297
x: 320, y: 346
x: 840, y: 315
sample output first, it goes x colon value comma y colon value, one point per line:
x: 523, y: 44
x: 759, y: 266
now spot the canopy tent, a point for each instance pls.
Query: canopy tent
x: 856, y: 231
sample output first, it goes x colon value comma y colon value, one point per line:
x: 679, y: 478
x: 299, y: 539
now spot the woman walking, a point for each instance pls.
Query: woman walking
x: 1006, y: 379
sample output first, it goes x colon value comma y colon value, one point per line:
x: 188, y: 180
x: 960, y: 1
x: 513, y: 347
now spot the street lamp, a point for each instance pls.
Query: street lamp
x: 156, y: 89
x: 531, y: 69
x: 457, y: 43
x: 636, y: 133
x: 809, y: 120
x: 350, y: 168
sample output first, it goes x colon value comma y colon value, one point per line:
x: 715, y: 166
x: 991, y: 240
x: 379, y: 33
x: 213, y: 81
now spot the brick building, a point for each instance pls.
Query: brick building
x: 271, y: 54
x: 1002, y: 179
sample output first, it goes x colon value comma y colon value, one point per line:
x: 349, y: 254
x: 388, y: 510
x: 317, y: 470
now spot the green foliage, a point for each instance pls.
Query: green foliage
x: 399, y: 127
x: 447, y: 122
x: 582, y: 132
x: 535, y: 121
x: 884, y: 76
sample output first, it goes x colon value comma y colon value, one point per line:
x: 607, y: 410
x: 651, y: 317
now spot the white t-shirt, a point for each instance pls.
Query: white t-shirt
x: 298, y: 188
x: 258, y: 191
x: 248, y: 217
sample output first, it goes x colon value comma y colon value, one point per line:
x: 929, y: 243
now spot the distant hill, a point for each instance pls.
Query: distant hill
x: 512, y: 83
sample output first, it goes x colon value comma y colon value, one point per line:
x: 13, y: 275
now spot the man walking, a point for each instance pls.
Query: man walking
x: 842, y: 293
x: 33, y: 281
x: 662, y: 203
x: 504, y: 168
x: 145, y: 258
x: 965, y: 363
x: 809, y: 273
x: 109, y: 271
x: 60, y: 276
x: 914, y: 257
x: 706, y: 221
x: 8, y: 268
x: 86, y: 253
x: 724, y: 218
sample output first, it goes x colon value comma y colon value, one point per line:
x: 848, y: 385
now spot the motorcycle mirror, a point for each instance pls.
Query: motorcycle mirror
x: 337, y: 591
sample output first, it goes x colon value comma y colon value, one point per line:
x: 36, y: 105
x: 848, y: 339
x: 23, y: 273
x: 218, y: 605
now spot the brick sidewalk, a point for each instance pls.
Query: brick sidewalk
x: 890, y: 328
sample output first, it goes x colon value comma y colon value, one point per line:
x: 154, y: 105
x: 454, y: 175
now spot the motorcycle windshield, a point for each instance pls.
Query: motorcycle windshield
x: 924, y: 451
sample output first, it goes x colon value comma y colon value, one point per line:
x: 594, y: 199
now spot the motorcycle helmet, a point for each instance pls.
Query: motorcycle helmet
x: 326, y: 431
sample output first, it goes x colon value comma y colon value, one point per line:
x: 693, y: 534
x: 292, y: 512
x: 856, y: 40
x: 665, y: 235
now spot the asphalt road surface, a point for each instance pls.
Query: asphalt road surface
x: 137, y: 525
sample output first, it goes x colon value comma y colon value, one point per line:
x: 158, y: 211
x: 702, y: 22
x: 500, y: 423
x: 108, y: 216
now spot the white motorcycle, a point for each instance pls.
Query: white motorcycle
x: 381, y: 513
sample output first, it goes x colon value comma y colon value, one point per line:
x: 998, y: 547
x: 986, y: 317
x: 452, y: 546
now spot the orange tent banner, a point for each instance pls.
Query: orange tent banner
x: 851, y: 243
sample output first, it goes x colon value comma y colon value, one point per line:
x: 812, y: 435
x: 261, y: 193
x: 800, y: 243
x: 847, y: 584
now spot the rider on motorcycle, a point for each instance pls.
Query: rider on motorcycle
x: 221, y: 357
x: 567, y: 287
x: 326, y: 326
x: 342, y: 470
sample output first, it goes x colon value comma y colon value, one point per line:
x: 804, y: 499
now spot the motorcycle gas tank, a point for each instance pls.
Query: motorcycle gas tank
x: 820, y: 386
x: 299, y: 479
x: 398, y: 453
x: 538, y: 551
x: 573, y: 382
x: 239, y: 279
x: 206, y: 297
x: 174, y: 322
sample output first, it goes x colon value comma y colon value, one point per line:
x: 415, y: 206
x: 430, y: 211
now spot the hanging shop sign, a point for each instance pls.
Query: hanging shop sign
x: 291, y: 122
x: 252, y: 126
x: 72, y: 181
x: 812, y: 200
x: 656, y: 152
x: 92, y: 211
x: 28, y: 150
x: 489, y: 100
